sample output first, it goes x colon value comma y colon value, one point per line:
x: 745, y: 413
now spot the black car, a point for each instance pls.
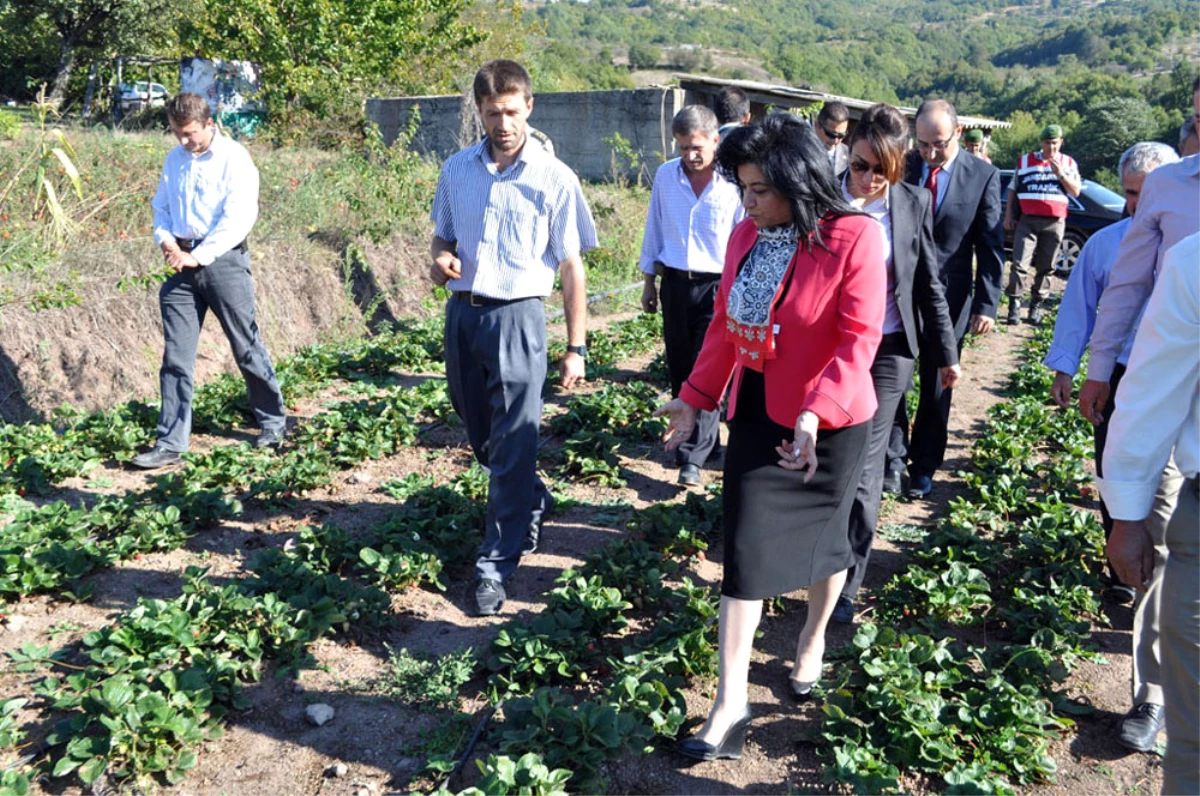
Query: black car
x: 1094, y: 209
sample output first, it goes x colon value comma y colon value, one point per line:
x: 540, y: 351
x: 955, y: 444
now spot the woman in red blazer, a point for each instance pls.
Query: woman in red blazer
x: 796, y: 324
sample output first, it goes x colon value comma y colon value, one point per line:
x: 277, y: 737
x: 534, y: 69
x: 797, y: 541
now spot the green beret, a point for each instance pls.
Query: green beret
x: 1051, y: 131
x: 974, y: 136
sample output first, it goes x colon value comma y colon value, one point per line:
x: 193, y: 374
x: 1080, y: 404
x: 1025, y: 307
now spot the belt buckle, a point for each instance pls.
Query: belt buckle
x: 475, y: 301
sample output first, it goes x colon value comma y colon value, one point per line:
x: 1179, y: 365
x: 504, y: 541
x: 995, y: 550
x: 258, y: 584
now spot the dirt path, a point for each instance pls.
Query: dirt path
x: 270, y: 749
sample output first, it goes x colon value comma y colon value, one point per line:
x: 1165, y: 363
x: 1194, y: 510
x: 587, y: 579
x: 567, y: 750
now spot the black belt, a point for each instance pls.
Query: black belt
x: 691, y: 276
x: 476, y: 300
x: 188, y: 244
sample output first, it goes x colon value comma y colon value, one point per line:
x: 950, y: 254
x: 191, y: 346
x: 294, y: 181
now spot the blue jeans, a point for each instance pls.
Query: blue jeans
x: 226, y: 288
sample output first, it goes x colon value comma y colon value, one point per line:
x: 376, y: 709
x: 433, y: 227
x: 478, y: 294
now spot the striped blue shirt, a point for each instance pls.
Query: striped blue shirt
x: 685, y: 231
x: 513, y: 227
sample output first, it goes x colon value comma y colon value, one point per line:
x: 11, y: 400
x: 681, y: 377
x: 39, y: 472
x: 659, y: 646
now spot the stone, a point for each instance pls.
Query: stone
x: 318, y: 714
x: 15, y: 623
x: 337, y: 770
x: 361, y: 477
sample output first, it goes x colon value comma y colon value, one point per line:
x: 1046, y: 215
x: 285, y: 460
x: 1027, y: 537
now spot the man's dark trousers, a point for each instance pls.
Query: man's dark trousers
x: 225, y: 287
x: 931, y: 427
x: 495, y: 368
x: 687, y: 309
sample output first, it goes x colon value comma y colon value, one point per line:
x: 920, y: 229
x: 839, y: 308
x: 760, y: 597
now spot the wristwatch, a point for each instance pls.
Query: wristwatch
x: 578, y: 349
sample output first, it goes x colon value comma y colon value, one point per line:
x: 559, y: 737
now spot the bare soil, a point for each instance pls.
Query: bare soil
x: 271, y: 749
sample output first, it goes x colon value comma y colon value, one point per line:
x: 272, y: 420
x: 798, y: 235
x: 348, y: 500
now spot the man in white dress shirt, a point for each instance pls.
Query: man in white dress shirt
x: 1158, y: 408
x: 206, y: 205
x: 692, y: 211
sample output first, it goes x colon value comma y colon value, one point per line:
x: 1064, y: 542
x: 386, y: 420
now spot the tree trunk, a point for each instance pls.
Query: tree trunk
x: 62, y: 73
x: 91, y: 91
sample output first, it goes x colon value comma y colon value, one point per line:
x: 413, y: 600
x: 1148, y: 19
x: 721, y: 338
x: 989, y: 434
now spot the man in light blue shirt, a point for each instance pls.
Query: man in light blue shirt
x: 693, y: 209
x: 507, y: 216
x: 206, y: 205
x: 1072, y: 332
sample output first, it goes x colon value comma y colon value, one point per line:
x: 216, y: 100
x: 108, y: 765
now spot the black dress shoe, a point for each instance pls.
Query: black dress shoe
x: 1014, y: 312
x: 843, y: 612
x: 801, y: 691
x: 270, y: 437
x: 920, y: 486
x: 489, y: 596
x: 1140, y: 727
x: 893, y: 484
x: 730, y: 747
x: 154, y: 458
x: 689, y: 475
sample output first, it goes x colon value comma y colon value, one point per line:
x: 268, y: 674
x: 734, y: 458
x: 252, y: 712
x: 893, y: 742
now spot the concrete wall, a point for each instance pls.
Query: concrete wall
x: 576, y: 121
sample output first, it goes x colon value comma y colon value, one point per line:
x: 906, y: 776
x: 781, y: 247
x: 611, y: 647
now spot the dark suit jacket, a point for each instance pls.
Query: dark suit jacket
x: 968, y: 226
x: 919, y: 290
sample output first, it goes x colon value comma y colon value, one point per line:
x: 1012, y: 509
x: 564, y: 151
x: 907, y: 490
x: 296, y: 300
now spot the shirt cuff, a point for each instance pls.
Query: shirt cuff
x: 1061, y: 362
x: 162, y: 235
x: 1100, y: 366
x: 1127, y: 500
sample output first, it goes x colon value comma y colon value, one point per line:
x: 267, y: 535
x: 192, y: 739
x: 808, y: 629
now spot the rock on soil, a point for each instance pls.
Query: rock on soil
x: 318, y: 714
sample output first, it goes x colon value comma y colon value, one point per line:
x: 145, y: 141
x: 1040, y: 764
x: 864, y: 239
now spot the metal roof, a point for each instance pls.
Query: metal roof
x: 791, y: 97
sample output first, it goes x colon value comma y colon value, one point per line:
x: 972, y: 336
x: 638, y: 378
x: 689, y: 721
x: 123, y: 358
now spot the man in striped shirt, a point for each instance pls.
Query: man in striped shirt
x: 1039, y: 192
x: 692, y: 211
x: 507, y: 217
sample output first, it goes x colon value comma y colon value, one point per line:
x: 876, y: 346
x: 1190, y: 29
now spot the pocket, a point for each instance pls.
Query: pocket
x: 525, y: 233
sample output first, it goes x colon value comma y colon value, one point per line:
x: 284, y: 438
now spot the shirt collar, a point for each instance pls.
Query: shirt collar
x: 945, y: 167
x: 1191, y: 166
x: 531, y: 150
x: 216, y: 145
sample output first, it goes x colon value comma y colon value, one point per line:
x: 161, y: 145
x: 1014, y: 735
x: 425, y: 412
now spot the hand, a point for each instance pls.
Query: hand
x: 1055, y: 166
x: 950, y: 375
x: 1061, y: 389
x: 571, y: 370
x: 1009, y: 223
x: 178, y: 259
x: 1093, y: 400
x: 445, y: 267
x: 681, y: 421
x: 982, y: 324
x: 801, y: 452
x: 649, y: 297
x: 1131, y: 551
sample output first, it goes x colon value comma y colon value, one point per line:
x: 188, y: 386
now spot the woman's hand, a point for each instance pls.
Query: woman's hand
x: 949, y: 375
x: 681, y: 422
x: 802, y: 451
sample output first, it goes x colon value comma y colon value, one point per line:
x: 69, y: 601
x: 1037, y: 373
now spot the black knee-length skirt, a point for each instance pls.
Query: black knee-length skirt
x: 782, y: 534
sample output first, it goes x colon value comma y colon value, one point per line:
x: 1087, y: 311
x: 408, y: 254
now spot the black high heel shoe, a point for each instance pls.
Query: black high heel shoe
x: 729, y: 748
x: 801, y: 691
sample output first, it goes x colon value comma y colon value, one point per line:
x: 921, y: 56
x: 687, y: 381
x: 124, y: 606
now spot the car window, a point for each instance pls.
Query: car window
x: 1103, y: 196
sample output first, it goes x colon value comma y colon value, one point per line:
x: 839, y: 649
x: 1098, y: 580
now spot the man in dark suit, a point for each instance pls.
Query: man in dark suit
x: 969, y: 238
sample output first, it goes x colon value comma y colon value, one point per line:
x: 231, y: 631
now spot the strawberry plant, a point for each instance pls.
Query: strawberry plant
x: 525, y: 776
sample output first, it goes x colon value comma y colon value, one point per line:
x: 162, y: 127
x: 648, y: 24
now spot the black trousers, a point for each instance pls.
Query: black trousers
x: 687, y: 310
x: 891, y: 372
x: 931, y: 428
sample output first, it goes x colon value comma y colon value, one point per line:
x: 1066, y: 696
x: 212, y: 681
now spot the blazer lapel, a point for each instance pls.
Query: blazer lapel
x: 957, y: 176
x: 904, y: 234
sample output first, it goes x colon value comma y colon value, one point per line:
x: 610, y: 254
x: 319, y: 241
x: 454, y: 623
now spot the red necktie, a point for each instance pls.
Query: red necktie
x: 931, y: 184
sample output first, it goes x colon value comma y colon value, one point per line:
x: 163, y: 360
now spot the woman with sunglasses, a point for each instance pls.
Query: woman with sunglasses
x: 795, y: 327
x: 916, y: 304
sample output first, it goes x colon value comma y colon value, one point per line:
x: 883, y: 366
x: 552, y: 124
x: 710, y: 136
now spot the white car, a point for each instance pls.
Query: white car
x: 141, y: 95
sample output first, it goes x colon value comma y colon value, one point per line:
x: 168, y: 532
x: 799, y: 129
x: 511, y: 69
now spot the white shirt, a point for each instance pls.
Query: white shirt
x: 943, y: 182
x: 512, y: 227
x: 1158, y: 402
x: 211, y: 196
x: 685, y: 231
x: 881, y: 211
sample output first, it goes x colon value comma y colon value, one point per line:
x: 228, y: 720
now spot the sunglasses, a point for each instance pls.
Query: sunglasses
x: 860, y: 166
x: 834, y: 136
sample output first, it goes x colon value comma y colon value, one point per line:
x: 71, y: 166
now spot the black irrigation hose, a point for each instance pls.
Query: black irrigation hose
x: 466, y: 755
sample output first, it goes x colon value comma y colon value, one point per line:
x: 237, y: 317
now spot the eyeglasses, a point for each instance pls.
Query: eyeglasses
x: 861, y: 166
x: 834, y: 136
x: 927, y: 145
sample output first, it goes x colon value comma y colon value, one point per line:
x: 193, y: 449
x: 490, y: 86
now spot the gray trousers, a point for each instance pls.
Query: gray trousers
x: 1037, y: 239
x: 892, y: 371
x: 687, y: 310
x: 1180, y: 640
x: 495, y: 368
x: 185, y: 298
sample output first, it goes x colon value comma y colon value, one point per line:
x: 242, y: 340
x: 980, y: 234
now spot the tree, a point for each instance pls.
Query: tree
x: 1108, y: 129
x: 107, y: 26
x: 643, y: 56
x: 324, y: 54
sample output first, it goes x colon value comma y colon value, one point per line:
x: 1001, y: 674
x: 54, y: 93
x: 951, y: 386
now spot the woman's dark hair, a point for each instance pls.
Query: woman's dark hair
x: 886, y: 132
x: 797, y: 164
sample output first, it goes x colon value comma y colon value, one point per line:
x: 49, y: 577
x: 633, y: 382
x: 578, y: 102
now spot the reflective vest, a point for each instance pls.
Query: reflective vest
x: 1039, y: 190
